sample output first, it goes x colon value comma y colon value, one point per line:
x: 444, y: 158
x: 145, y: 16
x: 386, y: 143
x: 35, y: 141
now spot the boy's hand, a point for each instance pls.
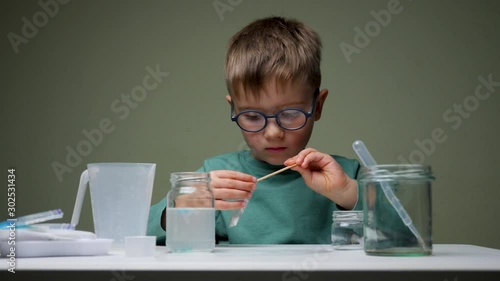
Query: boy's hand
x: 230, y: 188
x: 324, y: 175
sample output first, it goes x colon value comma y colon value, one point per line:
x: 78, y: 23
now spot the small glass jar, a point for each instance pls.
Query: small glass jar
x: 347, y: 230
x: 190, y: 213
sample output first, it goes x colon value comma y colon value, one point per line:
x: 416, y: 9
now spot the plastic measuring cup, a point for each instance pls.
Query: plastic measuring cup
x: 120, y: 195
x: 367, y: 160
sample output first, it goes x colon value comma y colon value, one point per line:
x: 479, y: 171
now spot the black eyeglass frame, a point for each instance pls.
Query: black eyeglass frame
x: 307, y: 114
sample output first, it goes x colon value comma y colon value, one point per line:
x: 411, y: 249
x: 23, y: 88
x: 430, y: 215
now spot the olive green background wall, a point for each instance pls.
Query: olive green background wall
x: 409, y: 86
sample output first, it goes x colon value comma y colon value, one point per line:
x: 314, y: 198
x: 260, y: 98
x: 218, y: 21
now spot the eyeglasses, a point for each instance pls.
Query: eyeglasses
x: 290, y: 119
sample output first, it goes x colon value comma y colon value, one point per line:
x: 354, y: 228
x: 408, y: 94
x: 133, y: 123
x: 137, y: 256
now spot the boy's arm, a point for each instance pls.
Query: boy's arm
x: 156, y: 222
x: 347, y: 199
x: 352, y: 168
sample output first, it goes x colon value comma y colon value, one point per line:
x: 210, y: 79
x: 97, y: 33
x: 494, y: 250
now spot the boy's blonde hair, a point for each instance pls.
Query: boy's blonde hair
x: 272, y: 48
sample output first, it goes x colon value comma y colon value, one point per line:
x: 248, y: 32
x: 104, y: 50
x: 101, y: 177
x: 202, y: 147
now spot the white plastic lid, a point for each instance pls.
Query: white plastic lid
x: 140, y: 246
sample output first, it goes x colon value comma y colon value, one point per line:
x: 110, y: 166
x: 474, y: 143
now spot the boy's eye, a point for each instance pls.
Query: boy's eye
x: 290, y: 114
x: 251, y: 116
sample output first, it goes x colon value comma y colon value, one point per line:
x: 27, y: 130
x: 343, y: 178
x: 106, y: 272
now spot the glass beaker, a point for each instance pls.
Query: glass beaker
x: 120, y: 195
x: 397, y: 209
x: 190, y: 213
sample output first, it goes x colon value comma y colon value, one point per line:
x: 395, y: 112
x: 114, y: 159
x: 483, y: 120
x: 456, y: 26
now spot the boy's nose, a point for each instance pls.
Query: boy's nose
x: 273, y: 130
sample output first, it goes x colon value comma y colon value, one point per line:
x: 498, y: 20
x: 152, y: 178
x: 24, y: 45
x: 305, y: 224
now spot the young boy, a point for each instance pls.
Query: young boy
x: 272, y: 72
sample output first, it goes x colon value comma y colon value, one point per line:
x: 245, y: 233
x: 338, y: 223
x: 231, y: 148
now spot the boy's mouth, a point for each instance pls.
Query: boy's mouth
x: 275, y: 149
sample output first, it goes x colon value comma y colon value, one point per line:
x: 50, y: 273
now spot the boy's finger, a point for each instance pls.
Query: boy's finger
x: 232, y: 184
x: 226, y: 205
x: 317, y: 158
x: 290, y: 161
x: 228, y: 174
x: 303, y: 154
x: 304, y: 172
x: 225, y: 193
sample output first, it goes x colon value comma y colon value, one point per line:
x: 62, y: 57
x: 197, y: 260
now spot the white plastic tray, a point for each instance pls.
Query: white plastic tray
x: 52, y: 248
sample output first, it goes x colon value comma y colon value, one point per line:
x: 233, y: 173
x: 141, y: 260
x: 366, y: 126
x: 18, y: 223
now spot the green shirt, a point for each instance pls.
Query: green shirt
x: 282, y: 210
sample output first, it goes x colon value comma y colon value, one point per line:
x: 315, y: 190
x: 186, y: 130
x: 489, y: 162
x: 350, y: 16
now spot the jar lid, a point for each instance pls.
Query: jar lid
x: 397, y: 172
x: 347, y: 215
x: 189, y: 177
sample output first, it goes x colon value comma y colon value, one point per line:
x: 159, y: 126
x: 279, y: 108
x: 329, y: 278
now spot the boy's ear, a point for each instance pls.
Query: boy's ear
x: 229, y: 100
x: 320, y: 101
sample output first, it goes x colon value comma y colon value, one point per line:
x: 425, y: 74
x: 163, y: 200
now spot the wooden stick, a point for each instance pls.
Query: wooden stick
x: 277, y: 172
x: 236, y: 215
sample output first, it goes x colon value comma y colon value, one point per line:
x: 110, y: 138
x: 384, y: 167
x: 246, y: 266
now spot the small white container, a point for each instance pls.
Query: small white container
x: 140, y: 246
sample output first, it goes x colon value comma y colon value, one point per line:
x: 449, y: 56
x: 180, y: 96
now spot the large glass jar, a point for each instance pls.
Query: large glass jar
x: 190, y: 213
x: 397, y: 209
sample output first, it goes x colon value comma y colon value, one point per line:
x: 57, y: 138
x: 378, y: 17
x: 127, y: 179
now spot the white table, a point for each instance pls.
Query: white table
x: 268, y: 262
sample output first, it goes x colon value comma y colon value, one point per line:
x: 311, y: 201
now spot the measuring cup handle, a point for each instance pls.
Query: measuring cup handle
x: 82, y: 188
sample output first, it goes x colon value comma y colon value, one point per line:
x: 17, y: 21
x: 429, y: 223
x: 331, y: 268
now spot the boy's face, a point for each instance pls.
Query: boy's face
x: 274, y: 144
